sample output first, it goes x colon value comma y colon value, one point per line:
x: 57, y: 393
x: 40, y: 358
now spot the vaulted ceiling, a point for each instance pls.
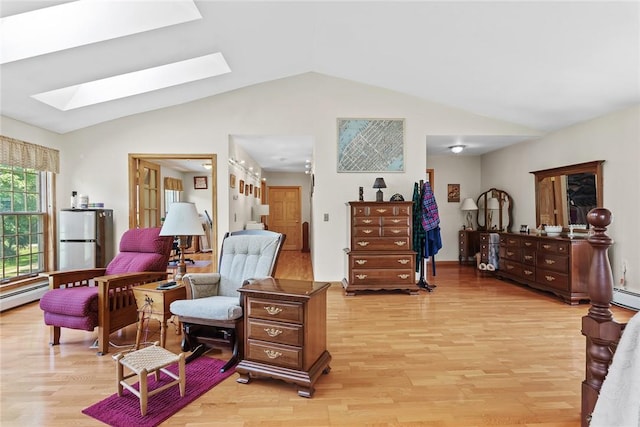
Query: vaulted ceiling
x: 545, y: 65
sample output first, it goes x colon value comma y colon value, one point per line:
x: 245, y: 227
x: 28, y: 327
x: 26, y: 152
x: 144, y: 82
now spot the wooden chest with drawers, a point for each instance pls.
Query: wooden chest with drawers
x: 380, y: 256
x: 554, y: 264
x: 285, y: 332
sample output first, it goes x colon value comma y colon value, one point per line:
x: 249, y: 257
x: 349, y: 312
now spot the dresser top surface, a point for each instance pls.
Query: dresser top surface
x: 360, y: 202
x: 288, y: 287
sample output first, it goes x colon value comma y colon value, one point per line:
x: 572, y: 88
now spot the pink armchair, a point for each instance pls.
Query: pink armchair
x: 102, y: 297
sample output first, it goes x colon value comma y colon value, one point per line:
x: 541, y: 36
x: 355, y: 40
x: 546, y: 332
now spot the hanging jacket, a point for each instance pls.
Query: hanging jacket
x: 430, y: 217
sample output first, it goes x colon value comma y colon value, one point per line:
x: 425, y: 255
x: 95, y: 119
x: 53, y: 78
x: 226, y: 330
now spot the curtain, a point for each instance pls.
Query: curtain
x: 26, y: 155
x: 174, y: 184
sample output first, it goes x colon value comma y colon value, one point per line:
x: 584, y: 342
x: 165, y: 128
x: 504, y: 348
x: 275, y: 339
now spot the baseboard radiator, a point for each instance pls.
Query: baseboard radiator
x: 23, y: 295
x: 626, y: 299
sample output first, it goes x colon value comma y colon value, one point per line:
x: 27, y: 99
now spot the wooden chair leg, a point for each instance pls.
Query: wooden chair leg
x: 54, y: 335
x: 144, y: 393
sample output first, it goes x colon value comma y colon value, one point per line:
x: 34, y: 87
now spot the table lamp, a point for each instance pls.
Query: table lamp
x: 379, y: 183
x: 468, y: 205
x: 182, y: 221
x: 492, y: 205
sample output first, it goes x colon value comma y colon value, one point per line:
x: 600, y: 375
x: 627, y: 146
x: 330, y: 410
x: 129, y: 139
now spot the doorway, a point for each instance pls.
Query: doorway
x: 285, y: 215
x: 145, y: 187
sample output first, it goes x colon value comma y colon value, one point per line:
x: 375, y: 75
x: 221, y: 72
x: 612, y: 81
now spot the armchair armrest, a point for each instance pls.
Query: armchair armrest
x: 72, y: 278
x: 201, y: 285
x: 116, y: 303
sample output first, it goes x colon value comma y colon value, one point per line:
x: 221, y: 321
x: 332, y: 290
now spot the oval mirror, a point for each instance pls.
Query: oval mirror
x: 494, y: 210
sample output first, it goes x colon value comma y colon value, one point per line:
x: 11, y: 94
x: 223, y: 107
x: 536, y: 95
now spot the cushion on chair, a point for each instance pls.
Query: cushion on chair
x: 245, y: 257
x: 141, y: 249
x: 202, y: 284
x: 215, y: 308
x: 78, y: 301
x: 84, y: 323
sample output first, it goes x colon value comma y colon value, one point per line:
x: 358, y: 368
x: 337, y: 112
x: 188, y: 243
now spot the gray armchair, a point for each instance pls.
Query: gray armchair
x: 212, y: 314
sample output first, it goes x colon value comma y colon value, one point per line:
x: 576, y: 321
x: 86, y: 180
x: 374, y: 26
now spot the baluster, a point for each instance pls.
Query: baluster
x: 598, y: 326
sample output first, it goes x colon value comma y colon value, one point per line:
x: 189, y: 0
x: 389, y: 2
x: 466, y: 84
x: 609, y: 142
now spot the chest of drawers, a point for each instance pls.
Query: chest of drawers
x: 468, y: 245
x: 554, y: 264
x: 285, y: 332
x: 380, y: 257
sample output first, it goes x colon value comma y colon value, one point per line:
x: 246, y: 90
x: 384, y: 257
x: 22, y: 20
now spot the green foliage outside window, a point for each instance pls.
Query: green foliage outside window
x: 21, y: 222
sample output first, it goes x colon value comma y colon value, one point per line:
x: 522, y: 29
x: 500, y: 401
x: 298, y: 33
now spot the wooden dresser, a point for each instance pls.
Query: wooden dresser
x: 380, y: 257
x: 554, y: 264
x: 285, y: 330
x: 468, y: 245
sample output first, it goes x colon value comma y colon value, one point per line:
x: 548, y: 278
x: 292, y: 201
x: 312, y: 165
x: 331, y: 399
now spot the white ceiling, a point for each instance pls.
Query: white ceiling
x: 545, y: 64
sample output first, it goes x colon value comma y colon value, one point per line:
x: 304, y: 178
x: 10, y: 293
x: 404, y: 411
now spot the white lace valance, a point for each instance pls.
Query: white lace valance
x: 26, y: 155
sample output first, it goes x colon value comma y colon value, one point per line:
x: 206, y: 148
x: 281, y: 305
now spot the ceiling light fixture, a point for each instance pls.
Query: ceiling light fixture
x: 135, y: 83
x: 207, y: 166
x: 457, y: 149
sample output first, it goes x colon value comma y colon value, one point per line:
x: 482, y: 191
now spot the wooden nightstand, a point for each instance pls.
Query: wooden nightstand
x: 285, y: 325
x: 154, y: 304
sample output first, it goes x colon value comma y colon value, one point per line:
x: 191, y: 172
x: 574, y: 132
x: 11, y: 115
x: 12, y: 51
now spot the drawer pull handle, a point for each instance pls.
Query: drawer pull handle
x: 396, y: 231
x: 361, y: 261
x: 528, y: 257
x: 395, y: 221
x: 512, y: 242
x: 509, y: 267
x: 273, y: 310
x: 528, y: 243
x: 367, y: 221
x: 400, y: 243
x: 272, y: 332
x: 549, y: 261
x: 363, y: 243
x: 510, y: 253
x: 381, y: 210
x: 367, y: 231
x: 550, y: 278
x: 528, y: 272
x: 404, y: 261
x: 546, y: 246
x: 403, y: 276
x: 272, y: 354
x: 361, y: 276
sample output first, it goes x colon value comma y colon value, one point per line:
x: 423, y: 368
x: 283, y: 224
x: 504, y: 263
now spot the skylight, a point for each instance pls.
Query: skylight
x: 135, y: 83
x: 82, y: 22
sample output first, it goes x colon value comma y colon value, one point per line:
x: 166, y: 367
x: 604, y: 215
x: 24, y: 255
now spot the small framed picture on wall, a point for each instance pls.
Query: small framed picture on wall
x: 200, y: 182
x: 241, y: 187
x: 453, y: 192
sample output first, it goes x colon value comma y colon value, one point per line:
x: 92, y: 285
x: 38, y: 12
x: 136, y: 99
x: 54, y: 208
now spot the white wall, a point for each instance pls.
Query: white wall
x: 463, y: 170
x: 95, y: 158
x: 241, y: 206
x: 614, y: 138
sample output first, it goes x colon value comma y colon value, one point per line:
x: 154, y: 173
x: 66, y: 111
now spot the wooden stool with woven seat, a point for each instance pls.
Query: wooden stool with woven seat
x: 145, y: 361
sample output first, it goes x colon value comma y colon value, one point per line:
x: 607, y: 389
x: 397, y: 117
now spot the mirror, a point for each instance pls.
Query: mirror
x: 494, y: 210
x: 566, y: 194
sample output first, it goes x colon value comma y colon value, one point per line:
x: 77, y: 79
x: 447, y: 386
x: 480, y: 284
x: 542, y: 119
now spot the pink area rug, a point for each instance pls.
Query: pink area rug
x: 202, y: 375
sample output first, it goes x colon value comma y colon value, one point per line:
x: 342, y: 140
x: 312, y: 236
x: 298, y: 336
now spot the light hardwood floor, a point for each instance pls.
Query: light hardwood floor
x: 475, y: 352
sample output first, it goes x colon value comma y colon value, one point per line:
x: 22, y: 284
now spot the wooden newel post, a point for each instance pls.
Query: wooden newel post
x: 598, y: 326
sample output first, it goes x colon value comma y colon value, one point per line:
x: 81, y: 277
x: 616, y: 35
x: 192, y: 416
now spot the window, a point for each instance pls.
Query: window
x: 170, y: 196
x: 22, y: 221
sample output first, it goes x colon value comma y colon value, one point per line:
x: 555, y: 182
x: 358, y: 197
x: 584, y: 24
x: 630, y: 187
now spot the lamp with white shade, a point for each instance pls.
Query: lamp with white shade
x: 468, y: 205
x: 492, y: 205
x: 182, y: 221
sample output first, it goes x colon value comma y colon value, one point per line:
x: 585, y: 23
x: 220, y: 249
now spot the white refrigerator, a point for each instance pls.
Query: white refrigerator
x: 85, y: 238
